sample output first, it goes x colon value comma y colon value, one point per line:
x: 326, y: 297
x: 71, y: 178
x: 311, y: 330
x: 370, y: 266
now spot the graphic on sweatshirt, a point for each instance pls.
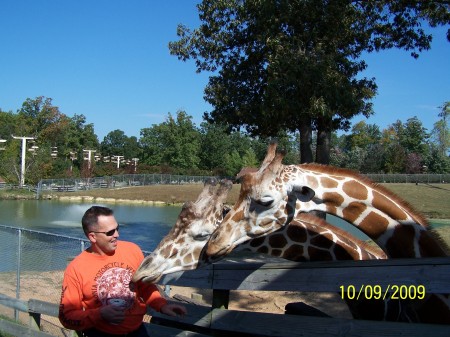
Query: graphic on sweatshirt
x: 113, y: 287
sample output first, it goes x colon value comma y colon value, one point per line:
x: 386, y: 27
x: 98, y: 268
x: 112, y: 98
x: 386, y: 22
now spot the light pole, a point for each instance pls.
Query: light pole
x: 118, y: 160
x: 24, y: 147
x: 89, y: 152
x: 135, y: 163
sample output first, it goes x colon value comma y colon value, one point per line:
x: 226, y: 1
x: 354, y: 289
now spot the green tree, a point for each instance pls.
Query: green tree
x: 114, y: 143
x: 293, y: 65
x: 441, y: 130
x: 175, y: 142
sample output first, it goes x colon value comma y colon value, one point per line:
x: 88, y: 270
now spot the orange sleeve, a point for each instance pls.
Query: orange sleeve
x: 72, y: 315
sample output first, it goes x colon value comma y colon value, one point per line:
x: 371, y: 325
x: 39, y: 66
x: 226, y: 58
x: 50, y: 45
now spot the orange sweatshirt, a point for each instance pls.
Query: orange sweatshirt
x: 91, y: 281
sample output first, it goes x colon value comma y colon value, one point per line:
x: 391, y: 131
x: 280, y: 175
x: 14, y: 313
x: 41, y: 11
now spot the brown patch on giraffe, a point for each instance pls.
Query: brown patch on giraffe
x: 387, y: 206
x: 294, y: 253
x: 263, y: 250
x: 312, y: 182
x: 374, y: 225
x: 431, y: 245
x: 328, y: 182
x: 353, y: 211
x: 332, y: 199
x: 277, y: 241
x: 323, y: 240
x: 257, y: 241
x: 297, y: 233
x: 355, y: 190
x: 276, y: 252
x: 401, y: 242
x: 342, y: 254
x: 316, y: 254
x: 238, y: 216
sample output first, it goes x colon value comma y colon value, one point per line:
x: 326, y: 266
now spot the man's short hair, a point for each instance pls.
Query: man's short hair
x: 90, y: 217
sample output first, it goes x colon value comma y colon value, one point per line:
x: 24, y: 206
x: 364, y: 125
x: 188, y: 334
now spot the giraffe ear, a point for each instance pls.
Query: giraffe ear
x: 303, y: 193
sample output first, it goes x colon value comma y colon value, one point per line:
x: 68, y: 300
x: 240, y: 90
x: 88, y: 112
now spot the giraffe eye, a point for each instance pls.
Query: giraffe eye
x: 201, y: 236
x: 265, y: 201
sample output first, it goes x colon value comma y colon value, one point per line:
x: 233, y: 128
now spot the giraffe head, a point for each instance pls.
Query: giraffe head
x: 181, y: 247
x: 262, y: 207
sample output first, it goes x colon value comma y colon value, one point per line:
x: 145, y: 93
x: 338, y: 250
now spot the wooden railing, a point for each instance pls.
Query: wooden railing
x: 433, y: 274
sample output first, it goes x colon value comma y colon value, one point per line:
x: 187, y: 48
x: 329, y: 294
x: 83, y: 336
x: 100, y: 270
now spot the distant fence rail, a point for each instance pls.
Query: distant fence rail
x: 125, y: 180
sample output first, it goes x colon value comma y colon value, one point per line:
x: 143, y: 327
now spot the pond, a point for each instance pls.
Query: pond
x: 145, y: 225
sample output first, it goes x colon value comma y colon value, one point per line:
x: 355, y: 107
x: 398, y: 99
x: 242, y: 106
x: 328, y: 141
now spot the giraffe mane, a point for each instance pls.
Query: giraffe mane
x: 416, y: 215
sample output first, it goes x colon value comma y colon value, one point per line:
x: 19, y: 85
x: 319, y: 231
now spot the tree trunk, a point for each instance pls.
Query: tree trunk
x: 306, y: 155
x: 324, y: 128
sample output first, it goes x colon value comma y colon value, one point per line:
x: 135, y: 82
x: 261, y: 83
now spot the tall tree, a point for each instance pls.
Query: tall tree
x: 176, y: 143
x: 441, y: 129
x: 293, y: 65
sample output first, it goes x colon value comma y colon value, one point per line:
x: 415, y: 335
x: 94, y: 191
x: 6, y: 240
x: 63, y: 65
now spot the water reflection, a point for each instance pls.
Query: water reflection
x: 144, y: 225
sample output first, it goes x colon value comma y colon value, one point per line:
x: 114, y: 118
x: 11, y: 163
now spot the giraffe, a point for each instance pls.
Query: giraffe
x: 180, y: 248
x: 272, y: 196
x: 306, y: 238
x: 275, y: 194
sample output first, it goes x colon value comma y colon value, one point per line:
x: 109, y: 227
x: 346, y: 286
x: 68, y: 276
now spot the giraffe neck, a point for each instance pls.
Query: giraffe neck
x: 308, y: 238
x: 386, y: 219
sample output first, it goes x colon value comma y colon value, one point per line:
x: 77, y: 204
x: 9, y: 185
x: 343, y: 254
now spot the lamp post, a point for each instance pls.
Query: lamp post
x: 24, y: 147
x: 135, y: 160
x: 89, y: 152
x: 118, y: 160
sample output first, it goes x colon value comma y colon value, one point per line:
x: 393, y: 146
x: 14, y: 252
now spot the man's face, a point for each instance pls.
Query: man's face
x: 104, y: 236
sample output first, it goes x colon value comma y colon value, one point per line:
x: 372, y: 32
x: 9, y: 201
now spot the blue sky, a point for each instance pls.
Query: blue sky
x: 109, y: 60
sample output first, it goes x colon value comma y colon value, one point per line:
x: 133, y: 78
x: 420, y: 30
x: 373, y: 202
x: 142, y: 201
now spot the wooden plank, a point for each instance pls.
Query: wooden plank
x: 264, y: 324
x: 164, y: 331
x: 44, y: 308
x: 14, y: 303
x: 16, y: 329
x: 198, y: 278
x: 323, y: 277
x: 196, y: 315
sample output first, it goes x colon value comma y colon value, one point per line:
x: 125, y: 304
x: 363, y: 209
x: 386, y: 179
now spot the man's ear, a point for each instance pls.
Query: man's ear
x: 91, y: 236
x: 303, y: 193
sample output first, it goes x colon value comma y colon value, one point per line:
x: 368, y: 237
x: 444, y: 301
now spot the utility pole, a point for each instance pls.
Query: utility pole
x: 135, y: 163
x: 24, y: 148
x: 118, y: 160
x: 2, y: 142
x: 89, y: 152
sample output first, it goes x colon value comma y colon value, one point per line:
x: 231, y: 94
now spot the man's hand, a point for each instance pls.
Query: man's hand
x: 112, y: 314
x: 170, y: 309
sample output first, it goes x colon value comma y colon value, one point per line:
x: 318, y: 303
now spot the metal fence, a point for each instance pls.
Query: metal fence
x: 410, y: 178
x: 33, y: 265
x: 125, y: 180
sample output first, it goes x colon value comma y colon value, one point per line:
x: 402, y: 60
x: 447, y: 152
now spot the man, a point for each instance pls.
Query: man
x: 96, y: 296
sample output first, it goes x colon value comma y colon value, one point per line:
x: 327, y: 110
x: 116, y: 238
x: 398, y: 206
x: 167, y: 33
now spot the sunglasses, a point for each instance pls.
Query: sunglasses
x: 108, y: 233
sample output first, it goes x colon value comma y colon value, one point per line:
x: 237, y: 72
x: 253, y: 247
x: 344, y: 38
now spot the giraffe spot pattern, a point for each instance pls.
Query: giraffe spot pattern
x: 387, y: 206
x: 328, y: 182
x: 297, y: 234
x: 374, y: 225
x: 294, y: 253
x: 277, y: 241
x: 353, y: 211
x: 355, y: 190
x: 333, y: 198
x: 401, y: 243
